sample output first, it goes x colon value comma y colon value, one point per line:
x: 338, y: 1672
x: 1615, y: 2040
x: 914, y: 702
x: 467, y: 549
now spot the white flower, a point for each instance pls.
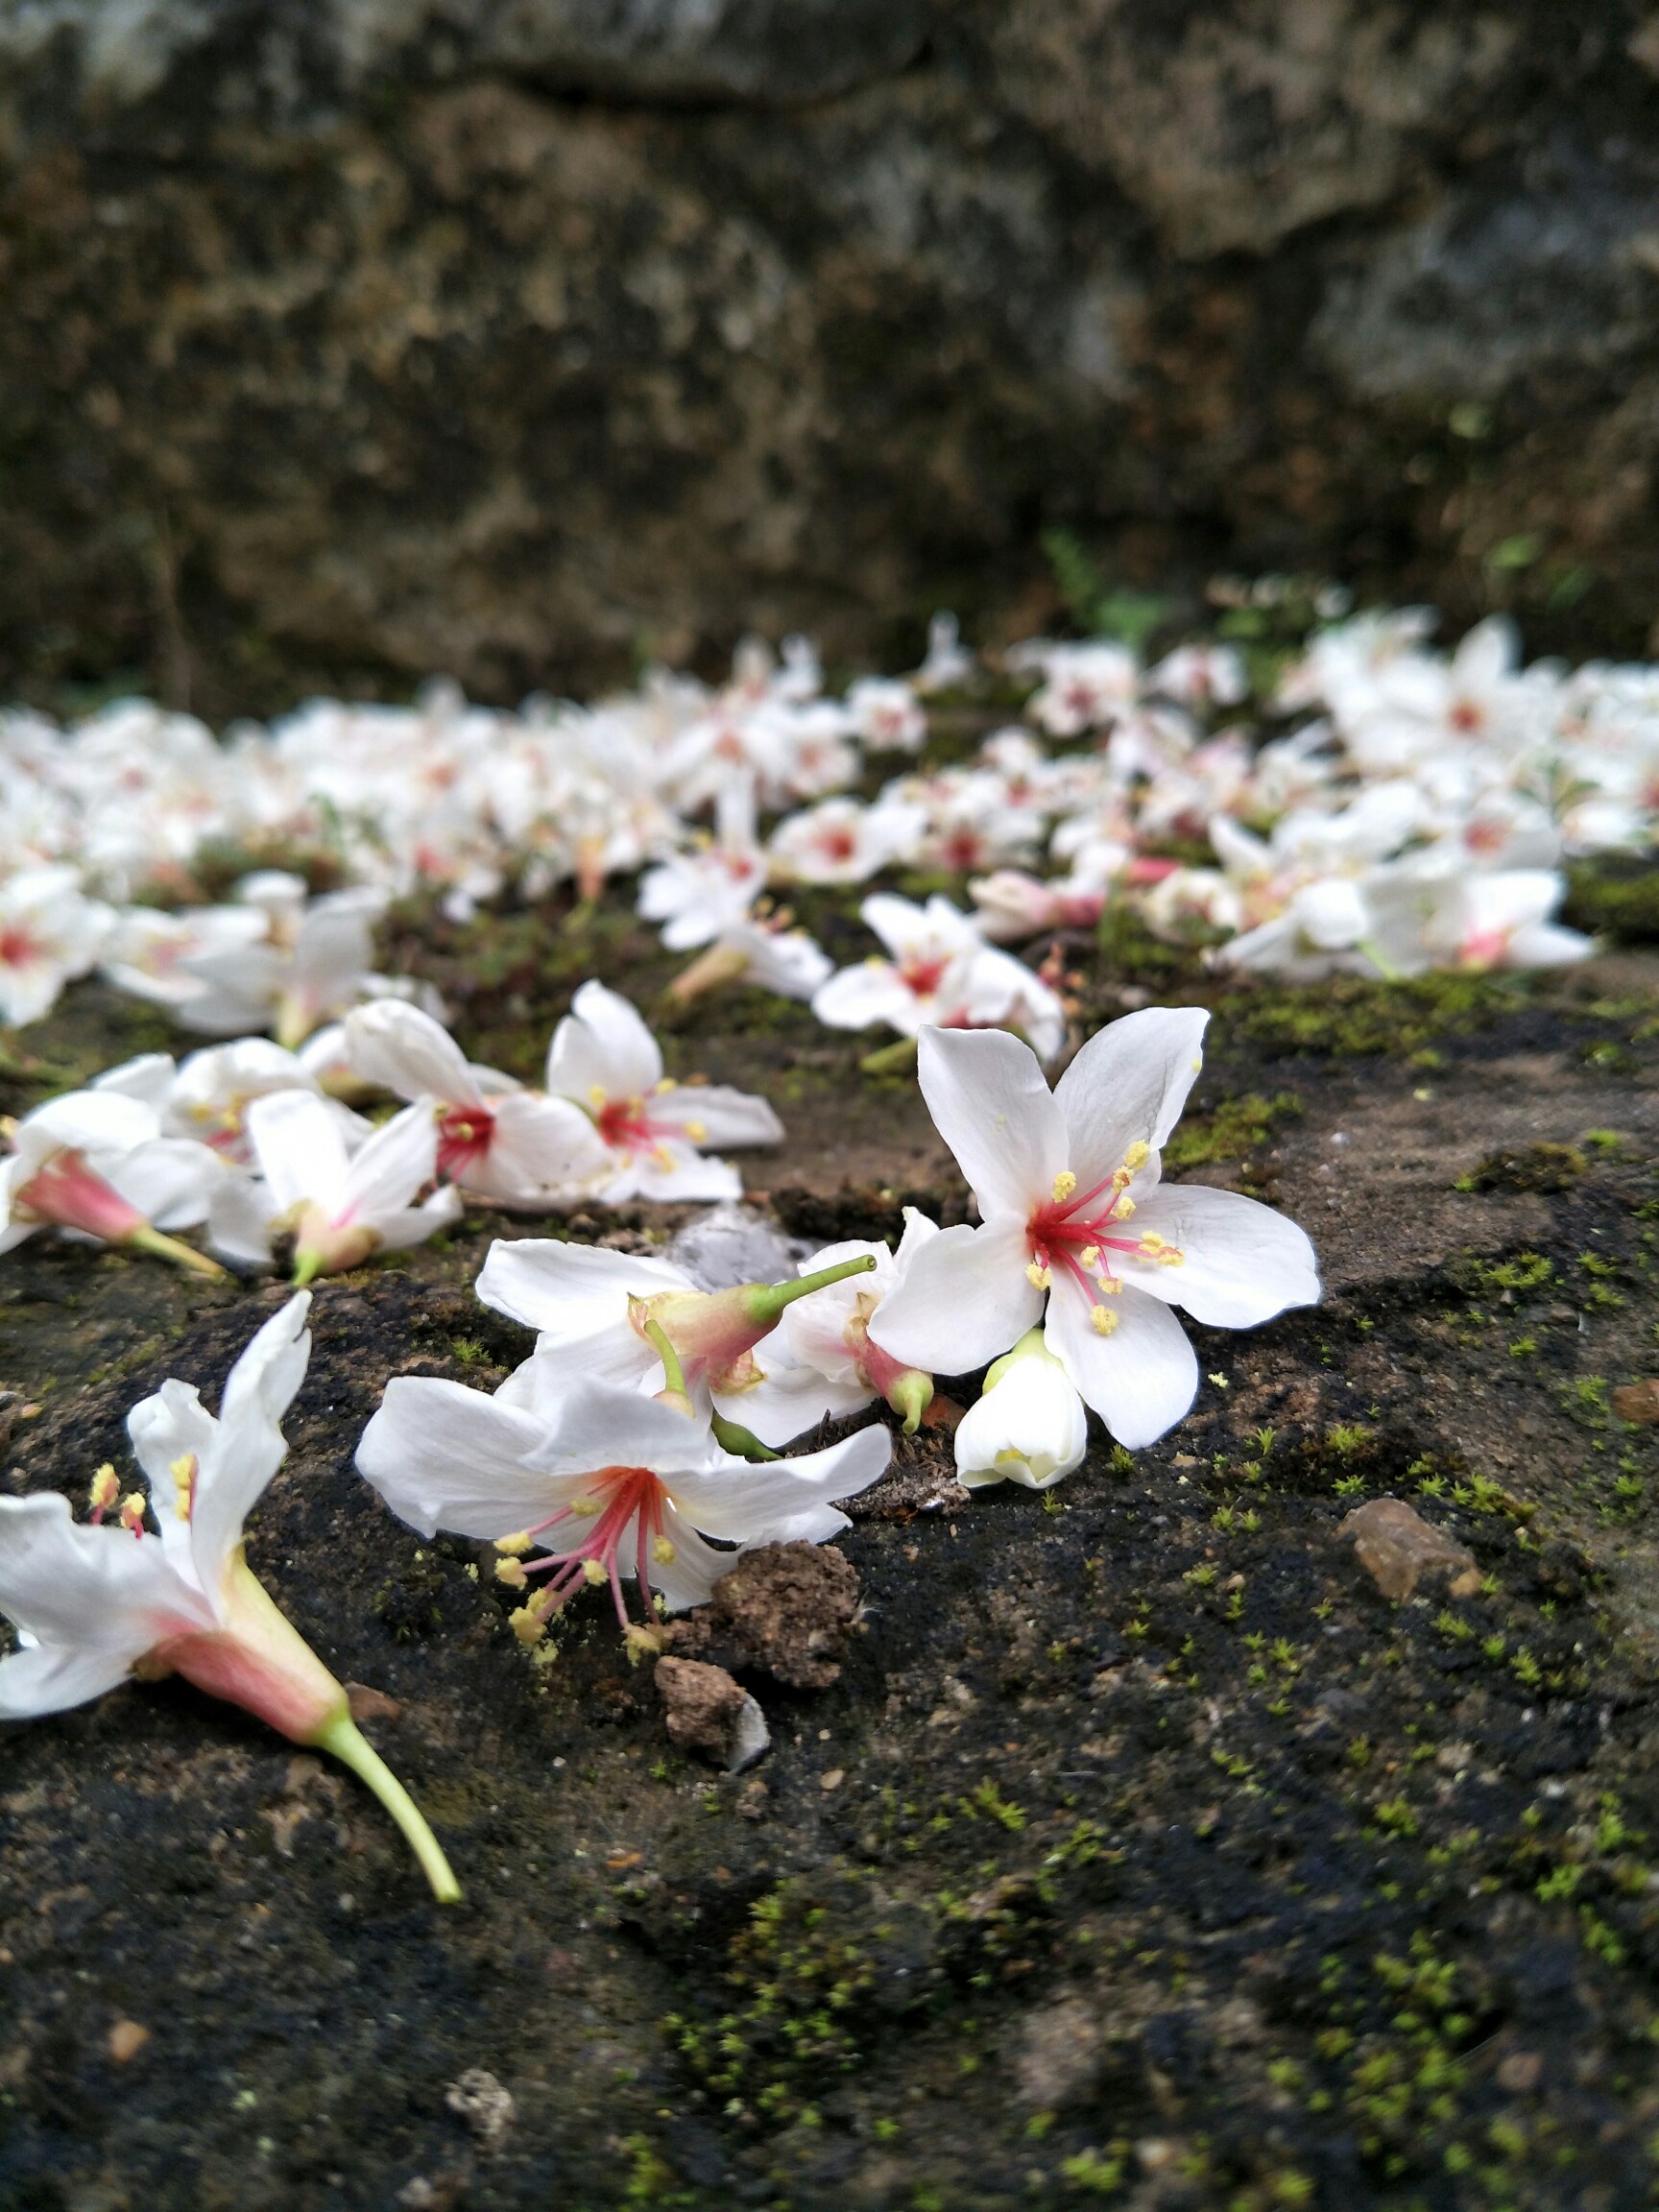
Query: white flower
x: 152, y: 956
x: 95, y: 1163
x: 948, y: 662
x: 617, y: 1487
x: 50, y: 933
x: 840, y: 841
x: 942, y: 972
x: 1201, y: 676
x: 206, y: 1096
x: 698, y: 895
x: 343, y: 1210
x: 606, y: 1060
x: 1059, y: 1179
x: 593, y: 1309
x: 512, y: 1147
x: 95, y: 1605
x: 1028, y: 1425
x: 1085, y: 687
x: 764, y: 952
x: 887, y: 715
x: 821, y: 1360
x: 311, y: 965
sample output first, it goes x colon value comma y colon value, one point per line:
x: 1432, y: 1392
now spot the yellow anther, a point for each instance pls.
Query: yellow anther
x: 697, y: 1131
x: 105, y: 1490
x: 598, y: 1098
x: 1122, y: 1178
x: 1151, y: 1242
x: 585, y: 1507
x: 1108, y: 1286
x: 662, y: 1551
x: 1137, y: 1156
x: 1125, y: 1207
x: 527, y: 1624
x: 518, y: 1545
x: 1104, y: 1320
x: 642, y: 1643
x: 593, y: 1572
x: 183, y: 1474
x: 132, y: 1511
x: 662, y: 1083
x: 1171, y: 1256
x: 1089, y: 1255
x: 1064, y: 1183
x: 512, y: 1572
x: 1039, y: 1277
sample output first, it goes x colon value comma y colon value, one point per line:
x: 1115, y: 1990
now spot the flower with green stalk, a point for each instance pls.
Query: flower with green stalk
x: 95, y: 1605
x: 593, y: 1309
x: 95, y: 1163
x: 344, y: 1208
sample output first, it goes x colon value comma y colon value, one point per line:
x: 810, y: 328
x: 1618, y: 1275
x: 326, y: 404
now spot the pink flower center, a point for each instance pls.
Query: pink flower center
x: 627, y: 1128
x: 626, y: 1506
x: 922, y: 975
x: 465, y: 1133
x: 18, y: 948
x: 1074, y: 1231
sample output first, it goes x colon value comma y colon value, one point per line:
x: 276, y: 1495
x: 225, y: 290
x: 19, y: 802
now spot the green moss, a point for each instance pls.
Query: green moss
x: 1614, y: 898
x: 1348, y: 1018
x: 1544, y: 1167
x: 1235, y: 1127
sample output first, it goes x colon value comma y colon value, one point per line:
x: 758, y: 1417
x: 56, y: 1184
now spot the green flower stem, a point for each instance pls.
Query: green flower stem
x: 352, y: 1748
x: 732, y: 1436
x: 673, y: 1373
x: 181, y: 1255
x: 890, y: 1059
x: 766, y: 1301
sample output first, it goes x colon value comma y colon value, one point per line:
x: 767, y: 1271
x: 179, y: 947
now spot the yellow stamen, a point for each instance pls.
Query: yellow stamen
x: 598, y: 1098
x: 1108, y: 1285
x: 512, y: 1572
x: 132, y: 1511
x: 1171, y: 1256
x: 183, y: 1471
x: 593, y: 1572
x: 1125, y: 1207
x: 527, y: 1624
x: 1104, y: 1320
x: 697, y: 1131
x: 1039, y: 1277
x: 518, y: 1545
x: 1137, y: 1156
x: 105, y: 1490
x: 1089, y: 1255
x: 1151, y: 1242
x: 662, y: 1551
x: 1064, y: 1183
x: 586, y: 1508
x: 662, y: 1083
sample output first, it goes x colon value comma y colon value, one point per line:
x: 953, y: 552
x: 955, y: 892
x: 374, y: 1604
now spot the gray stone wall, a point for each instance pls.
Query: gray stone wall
x: 345, y: 340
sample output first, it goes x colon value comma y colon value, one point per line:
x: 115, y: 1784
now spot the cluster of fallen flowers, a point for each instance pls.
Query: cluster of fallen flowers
x: 638, y: 1441
x: 1384, y: 811
x: 248, y: 1141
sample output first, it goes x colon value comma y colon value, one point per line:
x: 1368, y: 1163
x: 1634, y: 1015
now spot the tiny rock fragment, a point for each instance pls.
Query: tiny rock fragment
x: 481, y: 2101
x: 127, y: 2038
x: 834, y: 1779
x: 752, y: 1799
x: 1519, y: 2071
x: 706, y: 1711
x: 1060, y: 2053
x: 1638, y: 1402
x: 787, y: 1607
x: 1454, y: 1758
x: 1397, y: 1546
x: 372, y: 1704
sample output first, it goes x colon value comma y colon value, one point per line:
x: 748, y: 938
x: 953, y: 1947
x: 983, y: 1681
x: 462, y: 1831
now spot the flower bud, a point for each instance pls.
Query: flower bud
x: 1029, y: 1425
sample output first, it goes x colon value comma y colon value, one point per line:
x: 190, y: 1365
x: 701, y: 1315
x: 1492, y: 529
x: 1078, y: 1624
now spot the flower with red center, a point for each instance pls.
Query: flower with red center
x: 95, y: 1605
x: 941, y: 972
x: 49, y: 935
x: 497, y: 1140
x: 1076, y: 1231
x: 345, y: 1208
x: 605, y: 1061
x: 615, y: 1487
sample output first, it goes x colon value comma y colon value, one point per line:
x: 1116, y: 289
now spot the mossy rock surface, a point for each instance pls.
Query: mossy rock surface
x: 1143, y: 1853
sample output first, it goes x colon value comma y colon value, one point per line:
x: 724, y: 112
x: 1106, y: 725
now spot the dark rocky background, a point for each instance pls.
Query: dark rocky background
x: 345, y: 340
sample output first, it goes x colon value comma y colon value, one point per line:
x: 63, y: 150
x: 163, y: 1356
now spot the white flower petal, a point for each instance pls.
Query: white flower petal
x: 718, y: 1114
x: 964, y: 1299
x: 543, y: 1150
x: 300, y: 1152
x: 249, y: 1446
x: 1241, y: 1263
x: 1140, y: 1379
x: 91, y: 1589
x: 569, y: 1290
x: 53, y: 1678
x: 782, y: 1500
x: 384, y: 1174
x: 443, y: 1456
x: 991, y: 1104
x: 404, y: 1052
x: 171, y: 1426
x: 1128, y: 1085
x: 790, y: 1401
x: 603, y: 1045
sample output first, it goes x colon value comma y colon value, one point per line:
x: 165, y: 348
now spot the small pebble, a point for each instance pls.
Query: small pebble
x: 127, y: 2038
x: 832, y: 1780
